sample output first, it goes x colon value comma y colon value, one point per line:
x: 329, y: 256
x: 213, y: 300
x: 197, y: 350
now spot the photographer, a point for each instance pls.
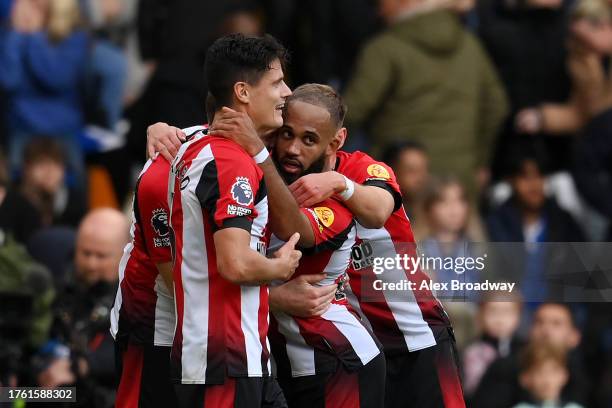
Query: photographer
x: 84, y: 303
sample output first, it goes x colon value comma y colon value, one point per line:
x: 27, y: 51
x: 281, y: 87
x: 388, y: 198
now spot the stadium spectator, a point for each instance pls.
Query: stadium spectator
x: 18, y: 218
x: 498, y: 317
x: 85, y: 300
x: 410, y: 162
x: 426, y: 76
x: 42, y: 59
x: 553, y: 323
x: 43, y: 184
x: 588, y: 76
x: 544, y: 373
x: 526, y: 41
x: 530, y: 217
x: 447, y: 210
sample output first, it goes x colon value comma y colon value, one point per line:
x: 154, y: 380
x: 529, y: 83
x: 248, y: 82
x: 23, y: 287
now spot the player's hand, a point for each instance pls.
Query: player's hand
x: 239, y: 127
x: 300, y: 297
x: 165, y: 140
x: 289, y: 257
x: 314, y: 188
x: 529, y: 121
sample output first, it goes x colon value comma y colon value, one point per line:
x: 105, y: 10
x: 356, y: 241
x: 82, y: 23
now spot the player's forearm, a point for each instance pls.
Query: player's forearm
x: 165, y: 270
x: 371, y: 205
x: 249, y: 267
x: 285, y: 215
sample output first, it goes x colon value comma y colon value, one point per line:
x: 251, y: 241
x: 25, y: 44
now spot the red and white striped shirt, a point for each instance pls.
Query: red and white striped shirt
x: 405, y: 320
x: 314, y: 345
x: 221, y: 327
x: 144, y: 307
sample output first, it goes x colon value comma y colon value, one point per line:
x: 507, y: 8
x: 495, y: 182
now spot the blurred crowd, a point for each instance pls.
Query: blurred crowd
x: 496, y: 116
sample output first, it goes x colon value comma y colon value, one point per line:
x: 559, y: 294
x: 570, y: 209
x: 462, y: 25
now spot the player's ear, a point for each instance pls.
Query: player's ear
x: 338, y: 140
x: 241, y: 92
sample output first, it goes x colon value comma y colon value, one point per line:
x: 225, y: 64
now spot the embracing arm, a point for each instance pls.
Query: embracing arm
x: 371, y: 205
x: 240, y: 264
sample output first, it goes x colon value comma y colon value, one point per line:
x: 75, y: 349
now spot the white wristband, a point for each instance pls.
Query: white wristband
x: 261, y: 156
x: 349, y: 190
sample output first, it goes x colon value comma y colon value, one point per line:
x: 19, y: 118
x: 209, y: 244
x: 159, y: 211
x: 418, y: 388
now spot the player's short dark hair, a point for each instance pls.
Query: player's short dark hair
x: 394, y: 150
x: 235, y: 58
x: 43, y: 148
x: 324, y: 96
x: 564, y: 306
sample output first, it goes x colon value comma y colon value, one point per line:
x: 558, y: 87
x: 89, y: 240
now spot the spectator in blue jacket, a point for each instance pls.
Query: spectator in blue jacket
x: 42, y: 57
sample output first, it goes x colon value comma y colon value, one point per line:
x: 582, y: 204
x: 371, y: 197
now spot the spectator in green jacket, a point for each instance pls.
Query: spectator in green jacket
x: 427, y: 78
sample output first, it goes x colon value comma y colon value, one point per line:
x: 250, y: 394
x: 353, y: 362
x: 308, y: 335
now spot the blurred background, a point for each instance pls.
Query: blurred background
x: 496, y: 116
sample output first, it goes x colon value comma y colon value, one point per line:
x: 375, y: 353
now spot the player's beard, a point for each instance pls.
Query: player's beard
x: 316, y: 167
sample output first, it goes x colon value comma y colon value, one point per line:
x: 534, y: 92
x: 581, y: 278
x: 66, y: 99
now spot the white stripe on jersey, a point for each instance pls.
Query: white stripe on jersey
x: 250, y: 299
x: 194, y: 356
x: 406, y: 311
x: 127, y: 251
x: 346, y: 322
x: 165, y: 315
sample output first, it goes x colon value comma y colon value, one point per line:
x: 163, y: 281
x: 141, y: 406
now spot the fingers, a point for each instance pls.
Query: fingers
x: 151, y: 153
x: 180, y: 137
x: 166, y: 154
x: 293, y: 240
x: 313, y: 278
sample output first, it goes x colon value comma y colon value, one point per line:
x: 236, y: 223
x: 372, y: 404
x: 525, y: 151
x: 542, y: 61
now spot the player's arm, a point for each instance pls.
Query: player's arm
x: 165, y: 270
x: 285, y: 215
x: 240, y: 264
x: 370, y: 204
x: 300, y: 297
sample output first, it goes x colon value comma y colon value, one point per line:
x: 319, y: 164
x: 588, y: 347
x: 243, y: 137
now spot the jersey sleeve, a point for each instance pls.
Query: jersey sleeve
x: 331, y: 223
x: 229, y: 186
x: 151, y: 210
x: 363, y: 169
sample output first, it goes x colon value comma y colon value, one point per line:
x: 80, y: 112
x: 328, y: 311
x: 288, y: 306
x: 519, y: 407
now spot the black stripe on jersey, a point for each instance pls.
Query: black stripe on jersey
x: 191, y: 136
x: 262, y: 191
x: 331, y: 244
x: 207, y: 190
x: 238, y: 222
x: 397, y: 197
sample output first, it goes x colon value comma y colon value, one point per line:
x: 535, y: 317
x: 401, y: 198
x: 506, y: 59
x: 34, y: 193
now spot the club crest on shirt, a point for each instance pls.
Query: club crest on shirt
x: 242, y: 192
x: 325, y: 215
x: 378, y: 171
x: 159, y: 222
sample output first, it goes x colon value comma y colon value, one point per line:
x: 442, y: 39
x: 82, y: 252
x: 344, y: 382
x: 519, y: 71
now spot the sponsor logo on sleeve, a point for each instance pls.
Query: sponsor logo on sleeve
x: 325, y: 215
x: 242, y: 192
x: 159, y: 222
x: 378, y: 172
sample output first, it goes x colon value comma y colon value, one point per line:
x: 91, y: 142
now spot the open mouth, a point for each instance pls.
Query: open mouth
x: 292, y: 166
x: 280, y: 106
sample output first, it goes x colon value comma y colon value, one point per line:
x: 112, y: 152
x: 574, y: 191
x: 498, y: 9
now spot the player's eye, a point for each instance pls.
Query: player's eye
x: 285, y: 134
x: 309, y: 140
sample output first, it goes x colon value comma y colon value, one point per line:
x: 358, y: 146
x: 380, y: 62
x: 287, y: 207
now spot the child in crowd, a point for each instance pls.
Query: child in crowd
x: 499, y: 315
x: 448, y: 244
x: 544, y: 373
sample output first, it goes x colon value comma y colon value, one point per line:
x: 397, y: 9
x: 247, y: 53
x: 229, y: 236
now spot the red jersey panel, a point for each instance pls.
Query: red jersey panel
x: 144, y: 307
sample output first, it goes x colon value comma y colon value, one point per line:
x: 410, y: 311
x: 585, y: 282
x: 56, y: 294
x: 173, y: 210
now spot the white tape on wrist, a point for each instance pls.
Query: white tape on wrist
x: 349, y: 190
x: 261, y: 156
